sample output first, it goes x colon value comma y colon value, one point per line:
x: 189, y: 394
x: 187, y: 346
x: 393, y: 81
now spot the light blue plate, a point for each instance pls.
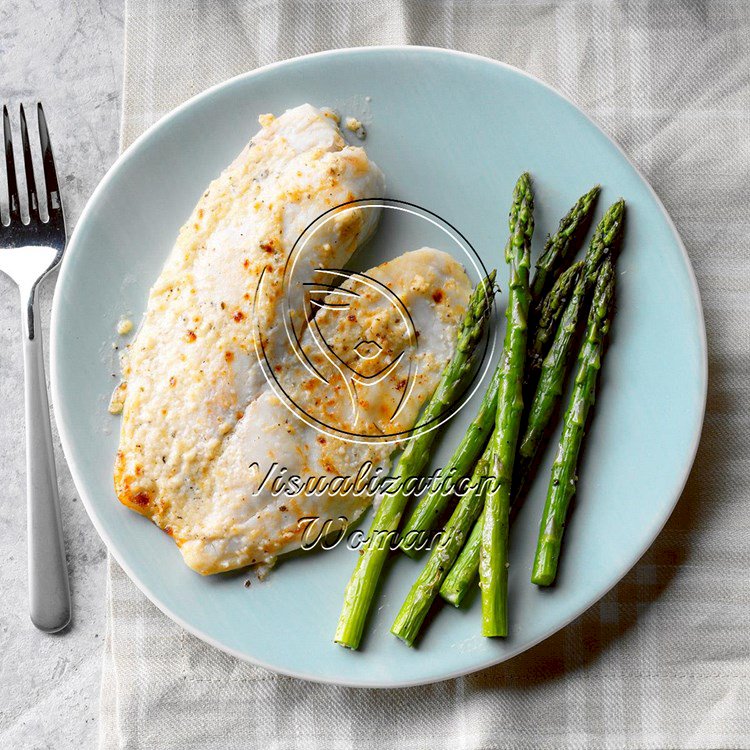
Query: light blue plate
x: 451, y: 132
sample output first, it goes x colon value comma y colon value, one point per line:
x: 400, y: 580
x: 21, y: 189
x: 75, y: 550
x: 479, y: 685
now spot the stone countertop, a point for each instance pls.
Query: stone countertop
x: 68, y: 55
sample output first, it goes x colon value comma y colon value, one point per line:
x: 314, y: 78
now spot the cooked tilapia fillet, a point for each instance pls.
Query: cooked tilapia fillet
x: 243, y: 522
x: 192, y: 368
x: 201, y: 424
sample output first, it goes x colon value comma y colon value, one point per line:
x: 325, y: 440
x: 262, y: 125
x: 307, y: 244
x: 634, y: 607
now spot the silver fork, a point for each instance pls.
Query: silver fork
x: 27, y: 253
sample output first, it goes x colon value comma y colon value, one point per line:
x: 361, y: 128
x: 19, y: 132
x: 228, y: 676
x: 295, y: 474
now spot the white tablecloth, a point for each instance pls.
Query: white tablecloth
x: 664, y: 659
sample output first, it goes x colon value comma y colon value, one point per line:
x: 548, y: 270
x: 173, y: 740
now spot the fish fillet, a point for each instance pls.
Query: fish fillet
x: 216, y: 392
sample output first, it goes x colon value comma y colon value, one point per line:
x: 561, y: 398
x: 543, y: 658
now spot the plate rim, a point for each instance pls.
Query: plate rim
x: 67, y: 441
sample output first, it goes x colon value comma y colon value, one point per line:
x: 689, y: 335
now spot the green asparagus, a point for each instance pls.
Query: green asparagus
x: 563, y: 479
x: 463, y: 574
x: 561, y: 245
x: 492, y: 565
x: 422, y: 594
x: 363, y: 583
x: 548, y: 316
x: 555, y: 366
x: 432, y: 505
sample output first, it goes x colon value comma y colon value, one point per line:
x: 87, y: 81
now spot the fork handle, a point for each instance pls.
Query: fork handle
x: 49, y: 591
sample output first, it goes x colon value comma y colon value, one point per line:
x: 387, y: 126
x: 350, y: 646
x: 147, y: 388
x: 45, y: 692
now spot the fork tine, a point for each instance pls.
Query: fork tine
x: 29, y: 167
x: 50, y: 175
x: 14, y: 204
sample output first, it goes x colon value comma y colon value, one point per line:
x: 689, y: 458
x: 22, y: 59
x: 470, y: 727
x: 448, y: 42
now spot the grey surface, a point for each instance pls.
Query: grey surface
x: 68, y: 54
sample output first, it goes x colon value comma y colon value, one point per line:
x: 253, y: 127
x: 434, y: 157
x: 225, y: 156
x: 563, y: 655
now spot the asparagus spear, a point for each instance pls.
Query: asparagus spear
x: 361, y: 587
x: 463, y: 574
x: 559, y: 247
x: 432, y: 505
x: 492, y: 562
x: 555, y: 366
x: 422, y: 594
x: 548, y: 316
x: 548, y: 392
x: 562, y: 484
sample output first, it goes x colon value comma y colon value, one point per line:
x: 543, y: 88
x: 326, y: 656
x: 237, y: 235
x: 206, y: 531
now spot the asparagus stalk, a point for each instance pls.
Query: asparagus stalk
x: 555, y: 366
x: 361, y: 587
x: 560, y: 246
x: 547, y: 395
x: 548, y: 316
x: 493, y: 558
x: 422, y: 594
x: 548, y: 312
x: 432, y: 505
x: 563, y: 479
x: 463, y: 574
